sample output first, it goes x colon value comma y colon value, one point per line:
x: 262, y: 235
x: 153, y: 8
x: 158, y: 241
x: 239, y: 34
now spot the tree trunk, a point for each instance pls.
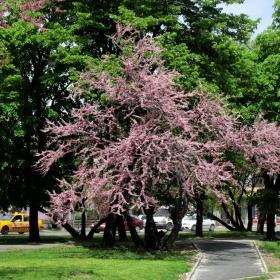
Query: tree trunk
x: 121, y: 228
x: 138, y: 242
x: 199, y: 215
x: 260, y: 226
x: 69, y: 228
x: 152, y: 237
x: 109, y: 236
x: 238, y: 223
x: 33, y: 223
x: 226, y: 225
x: 274, y: 185
x: 270, y: 227
x: 92, y: 231
x: 83, y: 229
x: 177, y: 222
x: 250, y: 218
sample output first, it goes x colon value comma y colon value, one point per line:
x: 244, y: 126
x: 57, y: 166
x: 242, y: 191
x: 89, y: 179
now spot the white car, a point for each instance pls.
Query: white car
x: 162, y: 220
x: 189, y: 223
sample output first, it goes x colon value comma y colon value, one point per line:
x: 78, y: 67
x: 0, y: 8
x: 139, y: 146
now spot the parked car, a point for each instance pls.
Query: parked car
x: 143, y: 218
x: 189, y: 223
x: 16, y: 223
x: 162, y: 219
x: 138, y: 224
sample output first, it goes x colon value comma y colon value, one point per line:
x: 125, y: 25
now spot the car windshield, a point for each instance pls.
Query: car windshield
x: 6, y: 217
x: 188, y: 218
x: 161, y: 213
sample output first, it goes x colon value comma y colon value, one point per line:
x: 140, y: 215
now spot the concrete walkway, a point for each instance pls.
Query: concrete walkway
x: 227, y: 260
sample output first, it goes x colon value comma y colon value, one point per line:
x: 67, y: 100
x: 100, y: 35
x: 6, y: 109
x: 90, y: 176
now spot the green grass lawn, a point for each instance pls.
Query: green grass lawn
x: 272, y: 248
x: 87, y: 260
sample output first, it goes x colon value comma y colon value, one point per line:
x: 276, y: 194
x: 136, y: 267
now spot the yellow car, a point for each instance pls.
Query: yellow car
x: 16, y: 223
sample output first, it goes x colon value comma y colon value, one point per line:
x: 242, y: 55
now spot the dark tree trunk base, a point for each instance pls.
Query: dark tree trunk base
x: 34, y: 235
x: 109, y: 236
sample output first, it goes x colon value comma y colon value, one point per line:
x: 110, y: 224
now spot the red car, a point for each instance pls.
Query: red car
x: 138, y: 224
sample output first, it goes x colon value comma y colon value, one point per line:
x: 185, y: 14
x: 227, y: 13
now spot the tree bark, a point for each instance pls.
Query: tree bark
x: 121, y: 228
x: 199, y: 215
x: 250, y: 218
x: 238, y: 223
x: 152, y: 237
x: 260, y: 226
x: 109, y: 236
x: 33, y: 223
x: 270, y: 227
x: 274, y: 185
x: 83, y: 229
x: 210, y: 215
x: 92, y: 231
x: 71, y: 230
x: 138, y: 242
x: 177, y: 222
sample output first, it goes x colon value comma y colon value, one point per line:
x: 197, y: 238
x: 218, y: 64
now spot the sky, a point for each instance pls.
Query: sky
x: 255, y: 9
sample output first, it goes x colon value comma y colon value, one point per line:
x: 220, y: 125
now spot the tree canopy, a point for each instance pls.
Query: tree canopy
x: 146, y: 136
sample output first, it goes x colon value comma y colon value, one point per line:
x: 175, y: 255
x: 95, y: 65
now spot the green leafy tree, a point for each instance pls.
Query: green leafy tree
x: 35, y: 80
x: 265, y: 100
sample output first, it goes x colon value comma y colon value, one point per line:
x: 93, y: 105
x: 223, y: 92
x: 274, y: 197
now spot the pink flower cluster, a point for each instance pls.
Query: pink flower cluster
x: 28, y: 10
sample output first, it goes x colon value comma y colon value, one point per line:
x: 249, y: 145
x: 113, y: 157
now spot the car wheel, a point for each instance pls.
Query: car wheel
x: 193, y: 228
x: 212, y: 227
x: 137, y: 229
x: 21, y: 232
x: 5, y: 230
x: 169, y: 227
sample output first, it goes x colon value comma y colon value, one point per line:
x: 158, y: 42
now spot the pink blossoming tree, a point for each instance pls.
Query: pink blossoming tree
x: 261, y: 143
x: 140, y: 140
x: 28, y: 10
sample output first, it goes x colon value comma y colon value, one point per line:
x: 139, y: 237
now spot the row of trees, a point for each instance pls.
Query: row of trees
x: 135, y: 139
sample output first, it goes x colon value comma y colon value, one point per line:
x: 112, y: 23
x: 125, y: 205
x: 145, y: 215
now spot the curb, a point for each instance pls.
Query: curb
x: 197, y: 263
x: 260, y: 256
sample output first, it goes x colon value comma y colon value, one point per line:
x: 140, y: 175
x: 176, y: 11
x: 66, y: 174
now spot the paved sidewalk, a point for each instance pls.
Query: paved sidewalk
x: 31, y: 246
x: 227, y: 260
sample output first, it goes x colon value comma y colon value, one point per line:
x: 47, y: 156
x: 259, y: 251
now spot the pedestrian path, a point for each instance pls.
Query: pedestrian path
x: 226, y: 260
